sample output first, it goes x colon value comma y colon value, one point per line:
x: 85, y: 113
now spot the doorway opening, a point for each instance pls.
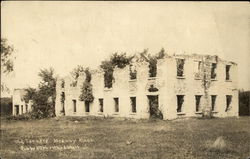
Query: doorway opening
x: 154, y: 107
x: 86, y: 106
x: 16, y: 109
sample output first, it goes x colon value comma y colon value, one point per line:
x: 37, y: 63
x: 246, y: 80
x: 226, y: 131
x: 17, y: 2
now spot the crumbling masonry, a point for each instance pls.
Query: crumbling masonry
x: 184, y: 86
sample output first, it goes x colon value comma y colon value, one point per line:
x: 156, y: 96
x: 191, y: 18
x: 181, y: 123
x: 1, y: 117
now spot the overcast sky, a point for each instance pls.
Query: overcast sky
x: 64, y: 34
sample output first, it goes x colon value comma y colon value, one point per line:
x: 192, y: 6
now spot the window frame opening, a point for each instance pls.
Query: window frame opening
x: 153, y: 103
x: 213, y: 75
x: 180, y: 103
x: 74, y: 105
x: 87, y: 106
x: 132, y: 72
x: 101, y: 105
x: 116, y: 105
x: 198, y: 103
x: 26, y: 107
x: 228, y: 77
x: 21, y: 109
x: 17, y: 110
x: 213, y: 102
x: 197, y: 73
x: 228, y: 102
x: 180, y: 64
x: 133, y: 104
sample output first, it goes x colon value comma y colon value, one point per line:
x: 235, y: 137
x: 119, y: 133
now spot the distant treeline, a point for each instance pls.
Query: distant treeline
x: 6, y: 106
x: 244, y: 102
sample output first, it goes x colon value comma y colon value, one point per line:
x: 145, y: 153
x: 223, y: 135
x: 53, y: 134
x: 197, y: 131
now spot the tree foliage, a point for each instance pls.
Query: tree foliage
x: 44, y: 97
x: 77, y: 71
x: 30, y: 93
x: 6, y: 52
x: 120, y: 60
x: 244, y: 102
x: 6, y: 61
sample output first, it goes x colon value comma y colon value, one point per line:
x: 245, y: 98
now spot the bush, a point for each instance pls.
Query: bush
x: 27, y: 116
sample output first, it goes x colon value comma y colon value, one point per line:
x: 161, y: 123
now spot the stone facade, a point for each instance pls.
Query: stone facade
x: 19, y: 106
x: 206, y: 85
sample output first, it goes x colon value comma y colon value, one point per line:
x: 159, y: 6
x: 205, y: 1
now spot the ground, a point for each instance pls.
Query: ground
x: 227, y: 138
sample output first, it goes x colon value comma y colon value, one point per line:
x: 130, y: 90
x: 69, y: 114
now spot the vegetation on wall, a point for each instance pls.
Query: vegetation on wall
x: 122, y: 60
x: 86, y: 90
x: 152, y: 60
x: 206, y: 83
x: 75, y: 74
x: 152, y: 88
x: 62, y: 84
x: 62, y: 99
x: 116, y: 60
x: 132, y: 72
x: 180, y: 67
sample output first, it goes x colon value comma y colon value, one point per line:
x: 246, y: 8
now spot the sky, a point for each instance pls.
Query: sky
x: 64, y: 34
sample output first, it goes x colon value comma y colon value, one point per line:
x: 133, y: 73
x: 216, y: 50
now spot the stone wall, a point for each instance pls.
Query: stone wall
x: 19, y: 106
x: 193, y: 82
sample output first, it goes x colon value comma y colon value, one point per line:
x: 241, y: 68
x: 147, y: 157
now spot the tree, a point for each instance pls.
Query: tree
x: 6, y: 52
x: 30, y: 93
x: 44, y: 98
x: 244, y: 102
x: 120, y: 60
x: 6, y: 60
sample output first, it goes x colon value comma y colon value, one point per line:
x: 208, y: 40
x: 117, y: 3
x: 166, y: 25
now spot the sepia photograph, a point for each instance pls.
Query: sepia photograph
x: 125, y: 80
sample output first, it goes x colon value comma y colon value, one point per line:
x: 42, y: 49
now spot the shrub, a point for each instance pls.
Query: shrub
x: 27, y: 116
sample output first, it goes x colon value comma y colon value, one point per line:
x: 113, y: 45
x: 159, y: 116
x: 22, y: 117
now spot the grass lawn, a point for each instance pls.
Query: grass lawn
x: 66, y: 137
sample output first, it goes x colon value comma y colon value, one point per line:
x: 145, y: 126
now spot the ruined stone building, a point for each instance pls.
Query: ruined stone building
x: 182, y: 86
x: 19, y: 106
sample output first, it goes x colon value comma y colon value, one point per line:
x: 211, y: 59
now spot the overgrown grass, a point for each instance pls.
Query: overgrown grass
x: 122, y: 138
